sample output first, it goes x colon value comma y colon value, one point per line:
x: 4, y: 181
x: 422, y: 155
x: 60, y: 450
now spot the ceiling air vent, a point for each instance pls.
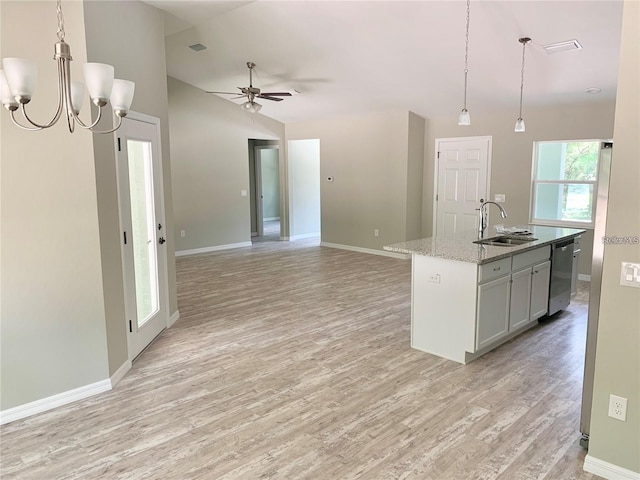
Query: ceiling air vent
x: 197, y: 47
x: 562, y: 46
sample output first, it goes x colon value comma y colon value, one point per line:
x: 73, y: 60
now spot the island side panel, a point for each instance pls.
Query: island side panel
x: 443, y: 300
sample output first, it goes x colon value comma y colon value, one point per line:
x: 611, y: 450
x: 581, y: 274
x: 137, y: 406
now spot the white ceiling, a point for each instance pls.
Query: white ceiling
x: 351, y: 57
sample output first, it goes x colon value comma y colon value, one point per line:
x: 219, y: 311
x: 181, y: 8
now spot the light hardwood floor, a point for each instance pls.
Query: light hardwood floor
x: 292, y: 361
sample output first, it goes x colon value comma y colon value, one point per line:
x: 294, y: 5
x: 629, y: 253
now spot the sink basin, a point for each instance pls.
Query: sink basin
x: 505, y: 241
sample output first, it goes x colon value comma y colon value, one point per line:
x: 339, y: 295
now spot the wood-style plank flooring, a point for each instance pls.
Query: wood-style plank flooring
x: 292, y: 361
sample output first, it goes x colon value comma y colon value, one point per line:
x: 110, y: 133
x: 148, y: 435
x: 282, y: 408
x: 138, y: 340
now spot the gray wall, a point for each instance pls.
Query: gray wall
x: 209, y: 166
x: 52, y: 316
x: 617, y: 368
x: 122, y: 22
x: 303, y: 160
x: 368, y: 156
x: 512, y: 156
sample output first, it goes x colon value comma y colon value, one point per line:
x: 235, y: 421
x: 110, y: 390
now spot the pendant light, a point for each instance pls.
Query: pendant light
x: 519, y: 128
x: 464, y: 118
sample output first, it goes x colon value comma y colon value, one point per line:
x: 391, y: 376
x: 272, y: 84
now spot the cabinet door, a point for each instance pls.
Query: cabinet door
x: 492, y: 322
x: 519, y: 311
x: 540, y: 290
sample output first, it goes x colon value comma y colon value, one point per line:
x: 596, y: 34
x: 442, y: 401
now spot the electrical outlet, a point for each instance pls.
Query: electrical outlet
x: 376, y: 232
x: 499, y: 198
x: 182, y: 233
x: 618, y: 407
x: 435, y: 278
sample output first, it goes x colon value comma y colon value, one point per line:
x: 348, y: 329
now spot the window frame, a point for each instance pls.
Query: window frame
x: 535, y: 182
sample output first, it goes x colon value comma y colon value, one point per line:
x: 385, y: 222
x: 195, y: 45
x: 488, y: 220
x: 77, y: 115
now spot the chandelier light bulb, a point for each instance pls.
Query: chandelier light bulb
x: 519, y: 126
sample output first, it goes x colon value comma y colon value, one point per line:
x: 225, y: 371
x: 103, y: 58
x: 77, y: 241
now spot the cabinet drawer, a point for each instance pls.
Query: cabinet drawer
x: 492, y: 270
x: 532, y: 256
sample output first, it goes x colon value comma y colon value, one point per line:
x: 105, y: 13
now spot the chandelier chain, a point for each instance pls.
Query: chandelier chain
x: 60, y: 21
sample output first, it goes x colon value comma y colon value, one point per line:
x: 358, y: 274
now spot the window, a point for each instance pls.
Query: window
x: 565, y: 179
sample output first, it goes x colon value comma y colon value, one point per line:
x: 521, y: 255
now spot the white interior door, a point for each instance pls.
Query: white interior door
x: 139, y: 166
x: 462, y: 180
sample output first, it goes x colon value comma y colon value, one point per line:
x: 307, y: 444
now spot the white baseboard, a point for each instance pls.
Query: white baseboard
x: 304, y: 235
x: 608, y: 470
x: 64, y: 398
x: 270, y: 219
x: 215, y: 248
x: 370, y: 251
x: 120, y: 373
x: 173, y: 318
x: 586, y: 278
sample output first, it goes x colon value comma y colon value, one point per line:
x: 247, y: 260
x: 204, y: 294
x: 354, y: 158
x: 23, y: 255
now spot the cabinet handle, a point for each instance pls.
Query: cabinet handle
x: 496, y: 269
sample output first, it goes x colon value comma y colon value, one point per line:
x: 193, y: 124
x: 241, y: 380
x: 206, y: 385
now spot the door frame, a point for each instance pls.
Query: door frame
x: 434, y: 224
x: 163, y: 268
x: 257, y: 159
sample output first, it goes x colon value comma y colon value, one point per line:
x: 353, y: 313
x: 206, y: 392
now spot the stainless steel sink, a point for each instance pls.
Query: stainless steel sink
x: 505, y: 241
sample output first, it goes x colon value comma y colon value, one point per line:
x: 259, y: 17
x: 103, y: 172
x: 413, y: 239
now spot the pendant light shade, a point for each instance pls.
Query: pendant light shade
x: 519, y: 128
x: 465, y: 118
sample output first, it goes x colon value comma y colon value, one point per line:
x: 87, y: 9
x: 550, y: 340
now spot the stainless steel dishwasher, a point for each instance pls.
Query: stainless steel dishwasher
x: 561, y: 270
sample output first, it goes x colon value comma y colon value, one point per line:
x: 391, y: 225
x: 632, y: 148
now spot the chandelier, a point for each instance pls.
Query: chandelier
x: 19, y: 78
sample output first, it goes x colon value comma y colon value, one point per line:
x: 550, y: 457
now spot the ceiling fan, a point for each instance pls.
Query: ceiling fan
x: 251, y: 93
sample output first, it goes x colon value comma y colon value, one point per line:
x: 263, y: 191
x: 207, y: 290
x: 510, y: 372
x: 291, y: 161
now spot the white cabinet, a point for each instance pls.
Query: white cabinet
x: 540, y: 289
x: 492, y: 322
x: 519, y: 311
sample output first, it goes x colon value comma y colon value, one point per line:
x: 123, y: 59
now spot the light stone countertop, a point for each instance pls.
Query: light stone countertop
x: 460, y: 246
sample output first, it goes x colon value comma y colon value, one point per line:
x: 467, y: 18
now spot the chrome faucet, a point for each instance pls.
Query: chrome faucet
x: 482, y: 214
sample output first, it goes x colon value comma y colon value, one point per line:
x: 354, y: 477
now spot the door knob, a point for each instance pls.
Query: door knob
x: 161, y: 241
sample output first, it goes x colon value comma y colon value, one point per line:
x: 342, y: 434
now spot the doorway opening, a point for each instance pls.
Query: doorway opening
x: 303, y: 162
x: 265, y: 190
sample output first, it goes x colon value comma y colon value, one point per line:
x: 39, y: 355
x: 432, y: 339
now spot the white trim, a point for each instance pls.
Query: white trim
x: 175, y: 316
x: 583, y: 277
x: 285, y: 239
x: 304, y: 235
x: 120, y: 373
x: 270, y: 219
x: 54, y: 401
x: 370, y: 251
x: 215, y: 248
x: 608, y: 470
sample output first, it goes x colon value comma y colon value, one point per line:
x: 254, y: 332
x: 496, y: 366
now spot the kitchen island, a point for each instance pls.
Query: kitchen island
x: 467, y: 298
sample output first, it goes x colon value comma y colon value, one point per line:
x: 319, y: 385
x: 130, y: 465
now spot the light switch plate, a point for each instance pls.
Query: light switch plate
x: 500, y: 197
x: 630, y: 274
x: 243, y: 193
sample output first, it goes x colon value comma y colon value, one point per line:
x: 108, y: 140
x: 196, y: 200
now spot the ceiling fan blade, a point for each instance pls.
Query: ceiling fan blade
x: 276, y: 94
x: 275, y: 99
x: 224, y: 93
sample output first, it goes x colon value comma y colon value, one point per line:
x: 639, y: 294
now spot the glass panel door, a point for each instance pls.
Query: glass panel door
x: 143, y: 225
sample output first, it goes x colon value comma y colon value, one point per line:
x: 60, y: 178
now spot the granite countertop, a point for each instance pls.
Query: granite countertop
x: 460, y: 246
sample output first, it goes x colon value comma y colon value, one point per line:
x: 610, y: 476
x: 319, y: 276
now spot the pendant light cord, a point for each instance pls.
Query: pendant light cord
x: 466, y: 55
x: 524, y: 45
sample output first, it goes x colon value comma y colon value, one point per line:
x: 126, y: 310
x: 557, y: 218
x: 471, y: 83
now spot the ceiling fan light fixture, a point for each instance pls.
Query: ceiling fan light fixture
x: 251, y: 107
